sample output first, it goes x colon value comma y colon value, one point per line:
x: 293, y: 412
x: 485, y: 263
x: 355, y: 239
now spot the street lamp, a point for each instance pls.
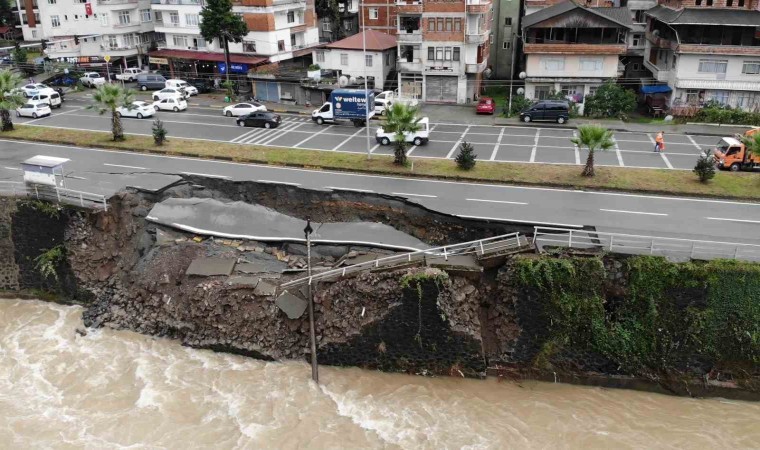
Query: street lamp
x: 312, y: 335
x: 366, y: 88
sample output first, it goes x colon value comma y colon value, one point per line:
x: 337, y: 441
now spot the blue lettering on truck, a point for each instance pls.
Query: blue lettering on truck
x: 352, y: 103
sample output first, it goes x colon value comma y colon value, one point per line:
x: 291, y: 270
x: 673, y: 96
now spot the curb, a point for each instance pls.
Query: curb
x: 617, y: 129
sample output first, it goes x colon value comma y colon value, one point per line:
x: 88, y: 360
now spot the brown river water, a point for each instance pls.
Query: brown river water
x: 113, y: 389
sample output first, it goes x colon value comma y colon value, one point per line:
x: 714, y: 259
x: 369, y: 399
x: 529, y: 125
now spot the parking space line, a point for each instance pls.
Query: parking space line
x: 313, y: 135
x: 667, y: 161
x: 495, y: 201
x: 456, y: 144
x: 281, y: 133
x: 632, y: 212
x: 618, y: 154
x: 576, y: 150
x: 733, y: 220
x: 535, y: 146
x: 496, y: 147
x: 360, y: 130
x: 651, y: 139
x: 372, y: 150
x: 699, y: 147
x: 12, y: 168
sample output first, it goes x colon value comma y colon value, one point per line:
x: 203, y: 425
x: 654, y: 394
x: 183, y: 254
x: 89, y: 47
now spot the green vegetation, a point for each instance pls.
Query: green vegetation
x: 218, y: 22
x: 593, y: 137
x: 519, y: 102
x: 47, y: 263
x: 714, y: 112
x: 159, y: 132
x: 705, y: 168
x: 401, y: 119
x: 752, y: 143
x: 9, y: 97
x: 313, y: 67
x: 466, y: 158
x: 610, y: 100
x: 672, y: 316
x: 51, y: 210
x: 109, y: 97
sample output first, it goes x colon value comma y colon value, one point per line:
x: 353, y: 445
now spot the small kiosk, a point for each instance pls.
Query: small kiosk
x: 44, y: 170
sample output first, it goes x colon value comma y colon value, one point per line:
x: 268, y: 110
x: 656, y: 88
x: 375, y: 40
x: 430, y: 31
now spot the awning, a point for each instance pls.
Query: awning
x: 656, y: 89
x: 207, y: 56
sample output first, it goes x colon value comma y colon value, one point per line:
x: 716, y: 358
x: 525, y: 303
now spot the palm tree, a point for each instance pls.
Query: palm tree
x: 9, y: 97
x: 752, y: 142
x: 593, y: 137
x: 109, y: 97
x: 401, y: 119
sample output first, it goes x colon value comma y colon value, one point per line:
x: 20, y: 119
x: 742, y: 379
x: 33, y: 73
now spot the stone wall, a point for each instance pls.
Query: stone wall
x: 8, y: 267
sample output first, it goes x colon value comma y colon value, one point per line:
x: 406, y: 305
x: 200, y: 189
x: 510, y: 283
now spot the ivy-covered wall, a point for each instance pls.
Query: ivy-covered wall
x: 640, y: 315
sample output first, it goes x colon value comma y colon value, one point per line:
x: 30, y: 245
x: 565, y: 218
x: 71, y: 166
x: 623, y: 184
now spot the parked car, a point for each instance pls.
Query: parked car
x: 33, y: 89
x: 260, y: 119
x: 169, y: 93
x: 182, y: 85
x: 547, y: 110
x: 203, y: 86
x: 50, y: 97
x: 138, y: 110
x: 129, y: 74
x: 242, y: 109
x: 175, y: 104
x: 486, y: 105
x: 147, y: 81
x: 92, y: 79
x: 420, y: 137
x: 33, y: 110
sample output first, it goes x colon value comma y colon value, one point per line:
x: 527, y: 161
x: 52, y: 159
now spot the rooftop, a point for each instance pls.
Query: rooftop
x: 376, y: 41
x: 620, y: 16
x: 706, y: 16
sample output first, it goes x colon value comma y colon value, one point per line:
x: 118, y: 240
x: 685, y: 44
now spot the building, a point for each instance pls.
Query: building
x: 381, y: 15
x: 348, y: 57
x: 706, y: 50
x: 347, y: 18
x: 443, y: 48
x: 28, y: 19
x: 505, y: 33
x: 573, y: 49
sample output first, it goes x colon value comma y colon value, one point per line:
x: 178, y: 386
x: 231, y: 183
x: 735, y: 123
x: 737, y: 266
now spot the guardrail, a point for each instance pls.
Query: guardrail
x: 644, y: 245
x: 481, y: 247
x: 61, y: 195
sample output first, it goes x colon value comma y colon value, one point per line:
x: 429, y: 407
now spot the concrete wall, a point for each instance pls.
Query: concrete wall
x: 356, y: 63
x: 501, y: 58
x: 687, y: 67
x: 535, y: 66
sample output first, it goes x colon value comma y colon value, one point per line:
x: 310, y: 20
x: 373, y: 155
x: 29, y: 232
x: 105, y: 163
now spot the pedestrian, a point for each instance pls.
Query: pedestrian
x: 659, y: 142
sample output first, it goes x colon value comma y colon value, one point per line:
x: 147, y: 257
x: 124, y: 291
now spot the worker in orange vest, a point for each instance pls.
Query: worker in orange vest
x: 659, y: 142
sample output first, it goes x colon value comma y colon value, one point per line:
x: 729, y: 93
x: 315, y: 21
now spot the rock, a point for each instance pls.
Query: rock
x: 81, y: 332
x: 668, y: 118
x: 140, y: 211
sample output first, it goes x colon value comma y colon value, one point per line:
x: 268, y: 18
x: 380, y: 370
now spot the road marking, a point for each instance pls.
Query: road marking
x: 651, y: 139
x: 535, y: 146
x: 413, y: 195
x: 372, y: 150
x: 76, y: 177
x: 279, y: 182
x: 732, y: 220
x: 313, y: 135
x: 496, y: 147
x: 495, y: 201
x: 576, y: 150
x: 411, y: 149
x: 210, y: 175
x: 243, y: 136
x: 12, y: 168
x: 251, y: 138
x: 348, y: 189
x: 618, y: 154
x: 632, y: 212
x: 125, y: 167
x: 280, y: 133
x: 165, y: 121
x: 667, y: 161
x: 699, y: 147
x: 457, y: 143
x: 530, y: 222
x: 348, y: 139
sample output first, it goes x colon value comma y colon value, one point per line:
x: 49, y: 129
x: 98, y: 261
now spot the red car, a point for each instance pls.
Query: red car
x: 486, y: 105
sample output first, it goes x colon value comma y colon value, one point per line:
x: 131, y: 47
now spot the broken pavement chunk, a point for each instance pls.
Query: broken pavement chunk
x: 207, y: 267
x: 291, y: 305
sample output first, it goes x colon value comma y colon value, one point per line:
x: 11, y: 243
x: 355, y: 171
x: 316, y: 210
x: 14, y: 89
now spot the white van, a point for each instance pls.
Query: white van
x: 49, y: 96
x: 420, y: 137
x: 182, y: 85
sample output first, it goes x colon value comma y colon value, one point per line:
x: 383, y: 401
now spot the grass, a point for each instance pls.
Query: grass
x: 661, y: 181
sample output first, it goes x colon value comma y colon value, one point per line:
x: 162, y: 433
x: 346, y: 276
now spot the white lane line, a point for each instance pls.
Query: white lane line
x: 632, y: 212
x: 405, y: 194
x: 165, y: 121
x: 530, y: 222
x: 667, y: 161
x: 618, y: 154
x: 125, y: 167
x: 496, y: 147
x: 348, y: 189
x: 313, y: 135
x: 280, y: 133
x: 245, y: 135
x: 733, y: 220
x: 457, y: 143
x: 251, y: 138
x: 576, y: 150
x: 372, y: 150
x: 210, y: 175
x: 699, y: 147
x: 12, y: 168
x: 279, y: 182
x: 348, y: 139
x: 76, y: 177
x: 495, y: 201
x: 535, y: 146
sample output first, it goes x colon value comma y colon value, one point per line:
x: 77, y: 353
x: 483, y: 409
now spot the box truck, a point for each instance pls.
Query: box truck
x: 346, y: 104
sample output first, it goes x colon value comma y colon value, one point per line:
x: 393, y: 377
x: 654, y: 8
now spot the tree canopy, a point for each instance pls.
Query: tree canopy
x: 610, y: 100
x: 217, y: 19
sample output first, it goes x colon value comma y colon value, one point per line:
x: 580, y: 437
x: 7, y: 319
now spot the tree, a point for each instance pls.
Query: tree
x: 401, y: 119
x: 610, y: 100
x: 218, y: 22
x: 466, y: 157
x: 705, y: 168
x: 752, y: 143
x: 159, y: 132
x: 10, y: 98
x: 7, y: 16
x: 593, y: 137
x: 20, y: 56
x: 109, y: 97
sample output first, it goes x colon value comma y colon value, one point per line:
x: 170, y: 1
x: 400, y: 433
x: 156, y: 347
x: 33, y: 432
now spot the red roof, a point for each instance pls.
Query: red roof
x: 4, y: 30
x: 376, y: 40
x: 207, y: 56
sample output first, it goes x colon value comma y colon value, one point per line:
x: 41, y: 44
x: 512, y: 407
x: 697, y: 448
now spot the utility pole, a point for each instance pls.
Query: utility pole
x: 366, y: 89
x: 511, y: 74
x: 312, y: 335
x: 226, y: 56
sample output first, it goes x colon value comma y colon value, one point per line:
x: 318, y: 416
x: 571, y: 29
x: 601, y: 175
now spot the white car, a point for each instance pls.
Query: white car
x: 242, y: 109
x: 138, y: 109
x: 92, y: 79
x: 48, y: 96
x: 182, y: 85
x: 30, y: 90
x: 129, y: 74
x: 33, y: 110
x: 170, y: 104
x: 420, y: 137
x: 168, y: 93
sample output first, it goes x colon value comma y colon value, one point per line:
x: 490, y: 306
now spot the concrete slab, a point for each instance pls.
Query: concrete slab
x: 485, y: 130
x: 165, y: 237
x: 557, y: 133
x: 265, y: 288
x: 243, y: 281
x: 292, y: 306
x: 454, y: 262
x: 250, y: 267
x: 683, y: 162
x: 479, y: 138
x: 644, y: 160
x: 321, y: 142
x: 360, y: 259
x: 207, y: 267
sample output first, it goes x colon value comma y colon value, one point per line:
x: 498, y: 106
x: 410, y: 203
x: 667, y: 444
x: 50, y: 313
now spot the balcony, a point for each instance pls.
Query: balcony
x: 407, y: 65
x: 176, y: 2
x: 476, y: 68
x: 574, y: 49
x: 702, y: 49
x: 403, y: 36
x: 126, y: 25
x: 409, y: 6
x: 478, y: 37
x: 478, y: 6
x: 451, y: 67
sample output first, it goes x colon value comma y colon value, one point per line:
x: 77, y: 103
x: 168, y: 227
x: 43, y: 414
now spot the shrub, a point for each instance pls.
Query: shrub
x: 610, y: 100
x: 705, y: 168
x: 714, y: 112
x: 313, y: 67
x: 466, y: 157
x: 519, y: 102
x: 159, y: 132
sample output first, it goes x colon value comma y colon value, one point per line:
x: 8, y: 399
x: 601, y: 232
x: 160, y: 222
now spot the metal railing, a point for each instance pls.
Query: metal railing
x: 61, y: 195
x: 481, y: 247
x: 643, y: 245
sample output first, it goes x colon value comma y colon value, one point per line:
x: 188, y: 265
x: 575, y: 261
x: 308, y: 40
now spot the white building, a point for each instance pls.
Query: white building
x: 348, y: 57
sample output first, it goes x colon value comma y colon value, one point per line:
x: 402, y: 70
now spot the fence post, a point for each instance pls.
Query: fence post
x: 58, y: 195
x: 570, y: 239
x: 81, y: 200
x: 445, y: 255
x: 651, y: 247
x: 36, y: 192
x: 736, y: 252
x: 611, y: 239
x: 482, y: 252
x: 691, y: 254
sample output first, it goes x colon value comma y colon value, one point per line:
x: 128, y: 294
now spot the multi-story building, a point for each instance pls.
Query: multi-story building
x: 347, y: 22
x: 706, y: 50
x: 573, y: 49
x: 504, y: 39
x: 348, y: 56
x: 381, y: 15
x: 28, y: 19
x: 443, y: 48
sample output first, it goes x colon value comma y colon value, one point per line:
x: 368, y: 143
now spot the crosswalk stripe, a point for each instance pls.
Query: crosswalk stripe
x: 255, y: 135
x: 282, y: 130
x: 242, y: 136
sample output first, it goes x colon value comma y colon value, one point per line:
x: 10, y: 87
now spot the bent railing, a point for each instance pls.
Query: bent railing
x: 51, y: 193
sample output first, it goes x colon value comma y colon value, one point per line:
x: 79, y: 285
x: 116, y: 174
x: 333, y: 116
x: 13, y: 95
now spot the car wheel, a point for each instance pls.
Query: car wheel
x: 267, y: 125
x: 228, y: 114
x: 417, y: 141
x: 155, y: 107
x: 139, y: 115
x: 176, y: 109
x: 34, y: 116
x: 560, y: 120
x: 735, y: 167
x: 320, y: 120
x: 143, y: 88
x: 526, y: 119
x: 385, y: 141
x: 382, y: 113
x: 240, y: 123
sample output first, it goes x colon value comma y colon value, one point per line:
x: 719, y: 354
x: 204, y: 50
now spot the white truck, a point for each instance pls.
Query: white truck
x: 420, y: 137
x: 385, y: 99
x: 92, y: 79
x: 129, y: 74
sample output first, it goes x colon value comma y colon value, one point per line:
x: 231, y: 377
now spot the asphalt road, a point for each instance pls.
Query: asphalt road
x: 105, y: 172
x: 494, y: 143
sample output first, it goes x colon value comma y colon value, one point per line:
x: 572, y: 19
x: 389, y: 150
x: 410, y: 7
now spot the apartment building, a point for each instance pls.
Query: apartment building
x: 28, y: 19
x: 347, y: 23
x: 443, y: 48
x: 706, y: 50
x: 505, y: 38
x: 573, y: 49
x: 380, y: 15
x: 348, y: 56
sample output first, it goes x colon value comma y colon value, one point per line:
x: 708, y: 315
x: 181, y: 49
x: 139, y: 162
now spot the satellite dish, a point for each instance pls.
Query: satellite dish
x: 488, y: 73
x: 520, y: 91
x: 353, y: 80
x: 342, y: 81
x: 522, y: 75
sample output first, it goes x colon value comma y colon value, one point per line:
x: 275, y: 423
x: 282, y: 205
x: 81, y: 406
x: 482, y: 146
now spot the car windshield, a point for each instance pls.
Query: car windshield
x: 256, y: 104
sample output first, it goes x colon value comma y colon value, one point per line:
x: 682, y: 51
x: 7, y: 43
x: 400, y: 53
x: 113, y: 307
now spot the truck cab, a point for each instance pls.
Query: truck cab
x: 731, y: 154
x: 420, y: 137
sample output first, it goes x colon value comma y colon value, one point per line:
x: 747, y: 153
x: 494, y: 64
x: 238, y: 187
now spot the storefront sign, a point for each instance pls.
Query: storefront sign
x: 234, y: 68
x: 154, y: 60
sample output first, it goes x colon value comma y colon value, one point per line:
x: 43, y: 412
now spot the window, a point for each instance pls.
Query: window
x: 720, y: 97
x: 344, y: 59
x: 174, y: 18
x: 592, y: 90
x: 543, y: 92
x: 508, y: 21
x: 124, y: 17
x: 741, y: 3
x: 431, y: 24
x: 439, y: 53
x: 24, y: 20
x: 280, y: 46
x: 431, y: 54
x: 199, y: 42
x: 34, y: 33
x: 179, y: 41
x: 635, y: 67
x: 291, y: 16
x: 348, y: 25
x: 440, y: 24
x: 746, y: 99
x: 713, y: 65
x: 373, y: 13
x: 505, y: 45
x: 456, y: 54
x: 320, y: 57
x: 368, y: 60
x: 145, y: 15
x: 51, y: 2
x: 104, y: 20
x: 751, y: 67
x: 457, y: 24
x: 637, y: 39
x: 729, y: 2
x: 449, y: 24
x: 553, y: 64
x: 447, y: 53
x: 129, y: 40
x: 326, y: 26
x: 191, y: 20
x: 55, y: 21
x: 639, y: 16
x: 692, y: 96
x: 249, y: 47
x: 112, y: 42
x: 709, y: 2
x: 590, y: 65
x: 698, y: 2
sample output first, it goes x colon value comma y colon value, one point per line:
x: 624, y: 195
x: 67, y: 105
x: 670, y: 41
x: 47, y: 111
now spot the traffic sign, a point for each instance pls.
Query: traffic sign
x: 107, y: 58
